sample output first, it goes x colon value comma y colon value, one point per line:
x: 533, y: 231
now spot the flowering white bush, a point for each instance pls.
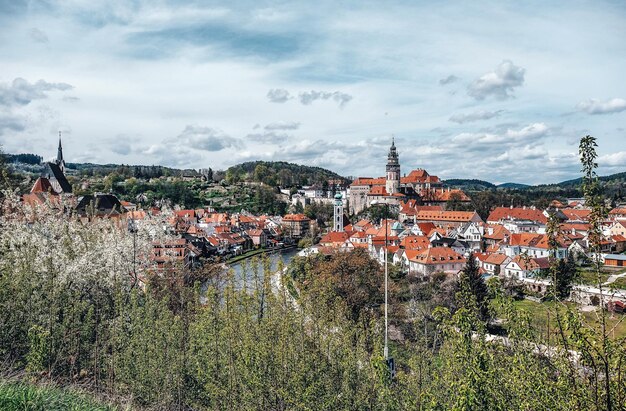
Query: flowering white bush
x: 51, y: 243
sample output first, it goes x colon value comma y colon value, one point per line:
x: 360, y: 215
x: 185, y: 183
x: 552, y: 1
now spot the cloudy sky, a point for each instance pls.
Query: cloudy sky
x: 494, y: 91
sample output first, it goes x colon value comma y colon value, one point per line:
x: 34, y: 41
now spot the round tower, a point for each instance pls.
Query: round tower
x: 393, y: 170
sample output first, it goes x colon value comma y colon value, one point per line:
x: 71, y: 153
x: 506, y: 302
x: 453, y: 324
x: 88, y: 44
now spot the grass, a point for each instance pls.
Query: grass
x: 589, y: 277
x: 539, y: 318
x: 22, y: 396
x: 619, y: 283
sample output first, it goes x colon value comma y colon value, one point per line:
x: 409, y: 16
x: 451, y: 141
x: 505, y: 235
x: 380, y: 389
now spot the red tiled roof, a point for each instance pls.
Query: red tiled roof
x: 438, y: 255
x: 42, y: 185
x: 536, y: 240
x: 575, y: 226
x: 506, y: 213
x: 378, y: 191
x: 527, y: 263
x: 618, y: 210
x: 296, y: 217
x: 254, y: 232
x: 335, y: 237
x: 445, y: 215
x: 368, y: 181
x: 415, y: 242
x: 577, y: 214
x: 496, y: 259
x: 499, y: 231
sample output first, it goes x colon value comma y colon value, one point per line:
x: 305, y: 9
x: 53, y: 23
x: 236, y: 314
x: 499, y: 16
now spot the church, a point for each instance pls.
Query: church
x: 395, y: 189
x: 54, y: 172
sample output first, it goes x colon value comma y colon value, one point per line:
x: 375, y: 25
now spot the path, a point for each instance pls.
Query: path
x: 614, y: 277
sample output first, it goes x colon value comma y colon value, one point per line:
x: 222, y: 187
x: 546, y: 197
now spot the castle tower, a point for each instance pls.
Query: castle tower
x: 338, y: 218
x: 59, y: 161
x: 393, y: 170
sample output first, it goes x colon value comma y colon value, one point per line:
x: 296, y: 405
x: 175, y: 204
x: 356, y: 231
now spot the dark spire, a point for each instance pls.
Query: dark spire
x: 60, y: 151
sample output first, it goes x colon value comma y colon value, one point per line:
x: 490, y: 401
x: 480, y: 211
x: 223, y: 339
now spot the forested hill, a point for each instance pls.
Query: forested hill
x: 612, y: 180
x: 619, y: 178
x: 280, y: 173
x: 469, y: 184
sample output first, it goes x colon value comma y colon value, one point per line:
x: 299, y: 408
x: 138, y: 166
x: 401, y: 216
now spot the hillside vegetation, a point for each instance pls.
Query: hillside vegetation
x: 19, y: 396
x: 280, y: 173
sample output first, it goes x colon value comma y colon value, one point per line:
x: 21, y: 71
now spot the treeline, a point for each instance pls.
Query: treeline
x: 32, y: 159
x: 127, y: 171
x: 280, y: 173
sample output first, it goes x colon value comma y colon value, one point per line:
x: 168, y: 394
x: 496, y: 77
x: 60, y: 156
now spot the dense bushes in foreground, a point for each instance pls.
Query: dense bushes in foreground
x: 69, y: 314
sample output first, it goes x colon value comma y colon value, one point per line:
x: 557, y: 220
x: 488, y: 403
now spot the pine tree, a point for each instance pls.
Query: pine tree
x: 471, y: 282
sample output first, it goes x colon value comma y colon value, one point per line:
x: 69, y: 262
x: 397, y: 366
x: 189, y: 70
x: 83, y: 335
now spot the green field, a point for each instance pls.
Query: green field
x: 540, y: 312
x: 21, y: 396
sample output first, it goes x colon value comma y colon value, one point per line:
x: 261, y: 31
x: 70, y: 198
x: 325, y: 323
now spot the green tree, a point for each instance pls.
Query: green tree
x: 472, y: 287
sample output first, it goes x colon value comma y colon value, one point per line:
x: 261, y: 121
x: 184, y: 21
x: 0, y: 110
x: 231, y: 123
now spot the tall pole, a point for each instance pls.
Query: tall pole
x: 386, y: 352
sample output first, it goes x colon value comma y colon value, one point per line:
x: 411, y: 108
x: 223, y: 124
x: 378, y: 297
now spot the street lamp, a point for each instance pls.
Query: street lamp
x: 386, y: 349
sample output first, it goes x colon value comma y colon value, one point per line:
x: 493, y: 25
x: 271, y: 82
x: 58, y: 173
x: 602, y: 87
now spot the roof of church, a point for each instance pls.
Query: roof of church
x: 42, y: 185
x: 54, y: 171
x: 102, y: 203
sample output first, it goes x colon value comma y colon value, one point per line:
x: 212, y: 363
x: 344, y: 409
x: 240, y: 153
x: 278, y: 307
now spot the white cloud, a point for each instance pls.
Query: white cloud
x: 268, y: 137
x: 207, y: 139
x: 309, y: 97
x: 283, y: 125
x: 474, y: 116
x: 594, y: 106
x: 278, y: 95
x: 498, y: 83
x: 526, y: 134
x: 20, y: 92
x: 613, y: 160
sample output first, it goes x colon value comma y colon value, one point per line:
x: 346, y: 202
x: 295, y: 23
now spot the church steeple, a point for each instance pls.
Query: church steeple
x: 59, y: 161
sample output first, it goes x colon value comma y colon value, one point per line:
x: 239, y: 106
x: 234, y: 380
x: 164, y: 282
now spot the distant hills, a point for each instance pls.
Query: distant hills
x: 516, y: 186
x: 469, y: 185
x: 479, y: 185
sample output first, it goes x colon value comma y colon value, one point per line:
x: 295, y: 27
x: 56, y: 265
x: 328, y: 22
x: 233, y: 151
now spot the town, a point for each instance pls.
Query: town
x: 418, y: 233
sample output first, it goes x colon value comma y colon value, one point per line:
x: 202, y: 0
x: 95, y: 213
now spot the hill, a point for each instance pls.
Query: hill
x: 281, y: 173
x: 513, y: 185
x: 469, y: 184
x: 619, y: 178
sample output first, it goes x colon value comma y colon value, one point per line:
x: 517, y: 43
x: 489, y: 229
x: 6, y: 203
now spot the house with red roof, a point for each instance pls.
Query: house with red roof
x: 448, y: 219
x: 523, y: 266
x: 618, y: 212
x: 495, y: 263
x: 335, y: 239
x: 434, y: 259
x: 499, y: 215
x: 618, y: 227
x: 535, y: 245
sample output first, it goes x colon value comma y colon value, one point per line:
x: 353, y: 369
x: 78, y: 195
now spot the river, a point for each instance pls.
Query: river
x: 285, y: 255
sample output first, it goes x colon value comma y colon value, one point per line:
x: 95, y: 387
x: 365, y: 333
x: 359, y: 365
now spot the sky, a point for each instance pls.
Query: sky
x: 500, y: 91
